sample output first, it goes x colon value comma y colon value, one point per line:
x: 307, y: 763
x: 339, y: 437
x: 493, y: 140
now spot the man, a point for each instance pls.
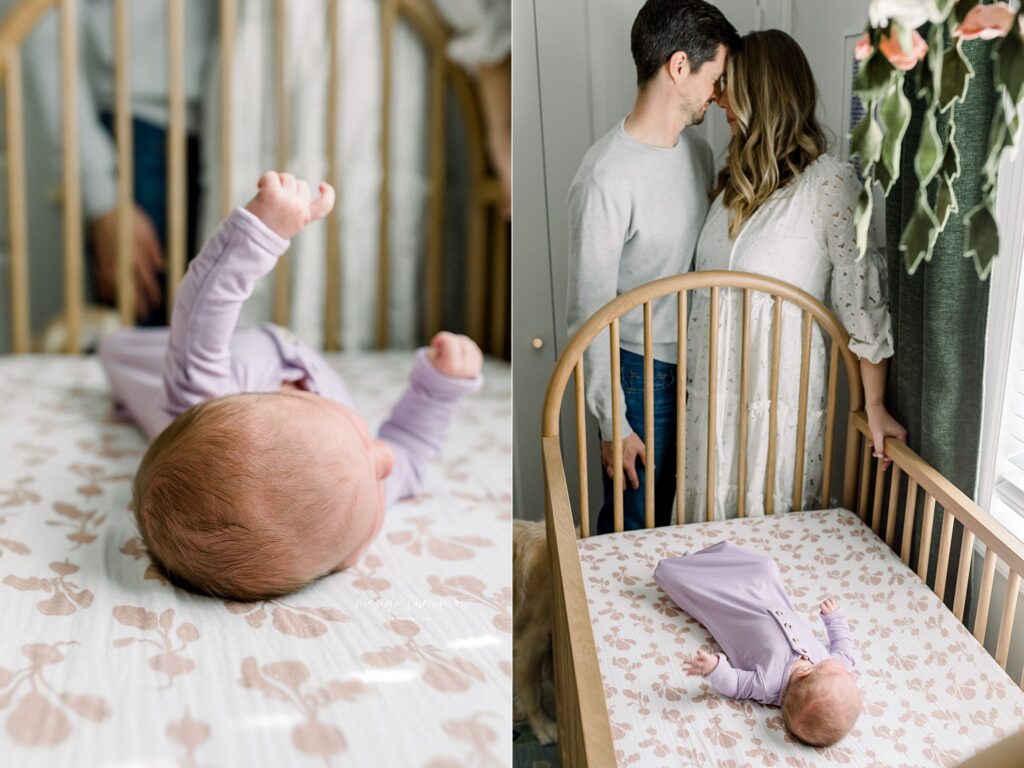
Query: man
x: 636, y: 207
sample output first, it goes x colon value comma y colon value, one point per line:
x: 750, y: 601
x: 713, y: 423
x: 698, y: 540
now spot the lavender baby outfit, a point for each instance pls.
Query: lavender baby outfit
x: 738, y: 596
x: 202, y: 356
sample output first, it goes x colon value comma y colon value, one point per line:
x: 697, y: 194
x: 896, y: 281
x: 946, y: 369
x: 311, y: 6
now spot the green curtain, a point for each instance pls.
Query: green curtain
x: 940, y: 313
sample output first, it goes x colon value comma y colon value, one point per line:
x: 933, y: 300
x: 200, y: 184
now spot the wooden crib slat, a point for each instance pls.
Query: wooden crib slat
x: 616, y: 426
x: 894, y: 495
x: 123, y: 140
x: 1006, y: 626
x: 499, y: 284
x: 988, y: 573
x: 332, y: 257
x: 388, y: 20
x: 177, y: 155
x: 876, y: 507
x: 73, y: 232
x: 963, y: 574
x: 433, y: 266
x: 741, y: 464
x: 228, y: 14
x: 909, y: 512
x: 942, y: 564
x: 16, y: 202
x: 773, y: 410
x: 830, y: 427
x: 681, y: 408
x: 281, y: 271
x: 927, y: 520
x: 581, y: 449
x: 649, y: 467
x: 712, y: 402
x: 801, y: 424
x: 865, y: 469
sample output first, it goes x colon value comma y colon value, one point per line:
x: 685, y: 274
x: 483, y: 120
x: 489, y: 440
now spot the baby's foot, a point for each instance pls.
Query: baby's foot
x: 456, y: 356
x: 283, y: 203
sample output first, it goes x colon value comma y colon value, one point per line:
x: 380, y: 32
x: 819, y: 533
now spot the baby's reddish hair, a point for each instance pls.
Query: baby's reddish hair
x: 229, y: 506
x: 820, y: 708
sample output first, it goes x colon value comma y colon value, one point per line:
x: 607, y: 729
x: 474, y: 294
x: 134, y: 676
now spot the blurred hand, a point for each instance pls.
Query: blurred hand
x: 283, y: 203
x: 703, y: 664
x: 632, y: 450
x: 455, y: 355
x: 147, y: 255
x: 829, y: 605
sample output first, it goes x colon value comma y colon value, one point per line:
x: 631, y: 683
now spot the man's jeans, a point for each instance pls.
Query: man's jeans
x: 665, y: 399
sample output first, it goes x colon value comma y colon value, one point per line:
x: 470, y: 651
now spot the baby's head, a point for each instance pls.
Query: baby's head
x: 821, y: 703
x: 256, y: 495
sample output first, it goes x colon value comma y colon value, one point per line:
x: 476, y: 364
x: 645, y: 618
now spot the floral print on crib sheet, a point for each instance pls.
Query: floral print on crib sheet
x: 932, y: 695
x: 403, y: 659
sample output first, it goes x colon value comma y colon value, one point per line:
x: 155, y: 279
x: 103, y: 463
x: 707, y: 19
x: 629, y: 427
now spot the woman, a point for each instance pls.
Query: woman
x: 782, y: 208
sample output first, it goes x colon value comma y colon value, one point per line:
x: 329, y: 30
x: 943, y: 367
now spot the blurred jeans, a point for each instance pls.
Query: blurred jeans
x: 665, y: 400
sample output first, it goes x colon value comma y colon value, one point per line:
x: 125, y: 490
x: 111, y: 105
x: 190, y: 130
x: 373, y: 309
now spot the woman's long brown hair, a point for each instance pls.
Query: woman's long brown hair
x: 772, y: 92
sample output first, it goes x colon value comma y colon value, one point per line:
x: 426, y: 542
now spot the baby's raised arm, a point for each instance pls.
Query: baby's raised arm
x: 442, y: 375
x: 839, y: 638
x: 245, y: 247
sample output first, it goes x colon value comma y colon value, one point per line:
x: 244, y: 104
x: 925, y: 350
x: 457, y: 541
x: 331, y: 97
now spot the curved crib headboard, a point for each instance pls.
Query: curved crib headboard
x: 486, y: 265
x: 607, y: 319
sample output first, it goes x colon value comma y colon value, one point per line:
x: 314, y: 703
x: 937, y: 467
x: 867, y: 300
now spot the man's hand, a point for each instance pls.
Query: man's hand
x: 283, y: 203
x: 883, y: 425
x: 632, y: 449
x: 147, y: 255
x: 703, y: 664
x: 455, y: 355
x: 829, y: 605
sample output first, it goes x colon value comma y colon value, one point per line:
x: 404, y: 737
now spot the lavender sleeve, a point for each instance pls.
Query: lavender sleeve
x: 219, y: 280
x: 418, y: 424
x: 839, y: 638
x: 737, y: 683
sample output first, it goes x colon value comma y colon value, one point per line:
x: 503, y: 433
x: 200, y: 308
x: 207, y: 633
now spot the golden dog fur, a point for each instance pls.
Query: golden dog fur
x: 531, y: 617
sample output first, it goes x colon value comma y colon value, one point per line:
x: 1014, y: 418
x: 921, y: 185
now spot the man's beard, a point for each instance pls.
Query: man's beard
x: 695, y: 115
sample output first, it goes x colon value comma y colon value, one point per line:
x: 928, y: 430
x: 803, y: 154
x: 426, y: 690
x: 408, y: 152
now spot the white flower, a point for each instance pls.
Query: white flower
x: 909, y: 14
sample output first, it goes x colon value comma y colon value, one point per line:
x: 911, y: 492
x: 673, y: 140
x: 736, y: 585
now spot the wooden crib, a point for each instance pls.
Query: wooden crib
x: 314, y: 677
x: 585, y: 685
x: 486, y: 264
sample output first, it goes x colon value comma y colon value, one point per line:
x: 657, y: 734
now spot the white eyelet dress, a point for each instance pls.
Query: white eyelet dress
x: 804, y: 235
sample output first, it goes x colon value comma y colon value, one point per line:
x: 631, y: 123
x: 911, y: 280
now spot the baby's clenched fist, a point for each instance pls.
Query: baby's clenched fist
x: 283, y: 203
x: 455, y: 355
x: 829, y: 605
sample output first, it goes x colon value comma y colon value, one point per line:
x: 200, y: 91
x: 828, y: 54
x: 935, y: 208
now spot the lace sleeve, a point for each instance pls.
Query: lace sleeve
x: 860, y: 295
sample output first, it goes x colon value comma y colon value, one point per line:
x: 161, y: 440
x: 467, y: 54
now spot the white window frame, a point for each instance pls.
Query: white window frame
x: 1005, y: 319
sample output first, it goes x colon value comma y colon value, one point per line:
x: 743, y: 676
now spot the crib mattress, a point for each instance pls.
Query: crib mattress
x: 403, y: 660
x: 932, y: 695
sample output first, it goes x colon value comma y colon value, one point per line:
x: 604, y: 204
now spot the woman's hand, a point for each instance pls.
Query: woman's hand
x: 883, y: 425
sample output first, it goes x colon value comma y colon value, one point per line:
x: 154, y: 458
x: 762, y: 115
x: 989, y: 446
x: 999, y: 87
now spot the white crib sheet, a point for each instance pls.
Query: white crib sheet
x: 932, y: 695
x: 404, y: 660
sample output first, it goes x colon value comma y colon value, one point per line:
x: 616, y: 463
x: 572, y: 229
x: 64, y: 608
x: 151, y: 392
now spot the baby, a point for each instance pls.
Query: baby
x: 262, y: 477
x: 738, y: 596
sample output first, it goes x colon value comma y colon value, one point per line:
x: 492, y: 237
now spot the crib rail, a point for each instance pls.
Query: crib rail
x: 485, y: 192
x: 605, y: 323
x: 958, y: 517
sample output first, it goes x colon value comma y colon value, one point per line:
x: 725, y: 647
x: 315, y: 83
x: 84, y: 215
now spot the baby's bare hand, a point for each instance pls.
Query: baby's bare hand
x: 456, y: 356
x: 829, y: 605
x: 703, y: 664
x: 283, y: 203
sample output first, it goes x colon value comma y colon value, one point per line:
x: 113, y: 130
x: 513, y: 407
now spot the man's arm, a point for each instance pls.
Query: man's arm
x: 597, y: 231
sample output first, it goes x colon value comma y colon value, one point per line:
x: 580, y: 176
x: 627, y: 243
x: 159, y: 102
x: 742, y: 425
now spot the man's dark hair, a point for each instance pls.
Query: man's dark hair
x: 665, y: 26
